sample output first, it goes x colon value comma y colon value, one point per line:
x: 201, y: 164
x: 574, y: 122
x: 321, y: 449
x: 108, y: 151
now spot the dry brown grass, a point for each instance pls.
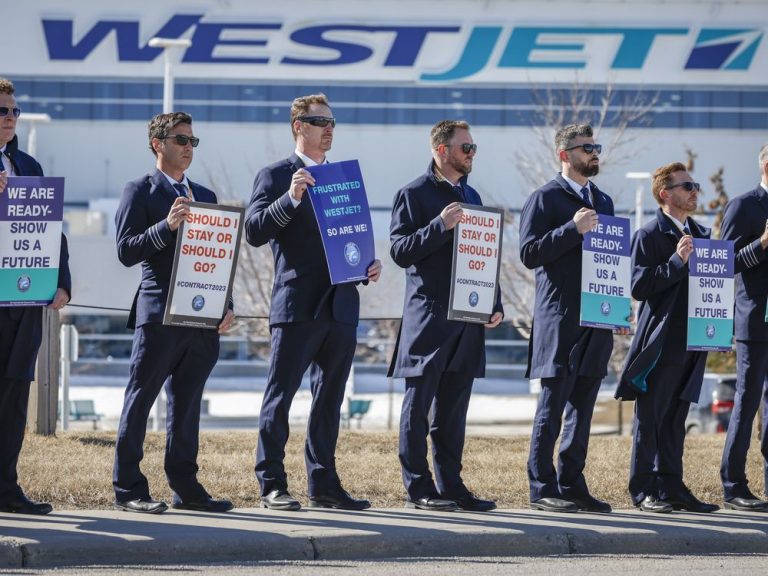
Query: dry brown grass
x: 74, y: 470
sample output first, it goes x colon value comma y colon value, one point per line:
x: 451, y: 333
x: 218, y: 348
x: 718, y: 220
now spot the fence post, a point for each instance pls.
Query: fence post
x: 44, y: 392
x: 620, y: 422
x: 68, y: 340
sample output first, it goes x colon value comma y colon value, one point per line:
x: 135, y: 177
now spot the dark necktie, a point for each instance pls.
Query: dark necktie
x: 460, y: 191
x: 585, y: 195
x: 686, y: 230
x: 2, y: 166
x: 181, y: 190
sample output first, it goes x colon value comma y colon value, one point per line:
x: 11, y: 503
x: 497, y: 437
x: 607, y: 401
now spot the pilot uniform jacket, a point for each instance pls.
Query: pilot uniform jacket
x: 144, y: 237
x: 302, y: 285
x: 660, y: 284
x: 744, y: 223
x: 20, y: 346
x: 551, y: 245
x: 421, y: 244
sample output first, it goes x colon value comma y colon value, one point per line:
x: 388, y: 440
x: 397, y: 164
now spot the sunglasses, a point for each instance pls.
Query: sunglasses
x: 319, y: 121
x: 466, y: 147
x: 588, y: 148
x: 183, y: 139
x: 4, y: 111
x: 687, y: 186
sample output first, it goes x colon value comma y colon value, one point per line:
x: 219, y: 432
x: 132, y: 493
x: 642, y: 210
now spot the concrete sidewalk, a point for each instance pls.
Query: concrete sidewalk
x: 104, y: 537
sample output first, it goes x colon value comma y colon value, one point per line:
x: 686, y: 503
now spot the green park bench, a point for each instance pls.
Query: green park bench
x: 84, y: 411
x: 357, y: 409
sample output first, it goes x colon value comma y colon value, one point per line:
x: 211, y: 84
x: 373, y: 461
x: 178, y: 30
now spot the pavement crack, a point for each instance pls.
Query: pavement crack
x: 24, y: 556
x: 571, y: 543
x: 315, y: 551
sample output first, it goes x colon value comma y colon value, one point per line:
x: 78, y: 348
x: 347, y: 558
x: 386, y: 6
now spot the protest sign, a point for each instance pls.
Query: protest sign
x: 710, y: 295
x: 606, y: 273
x: 207, y: 246
x: 476, y: 263
x: 31, y: 211
x: 341, y: 209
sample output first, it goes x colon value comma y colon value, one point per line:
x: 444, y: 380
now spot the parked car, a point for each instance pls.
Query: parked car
x: 713, y: 412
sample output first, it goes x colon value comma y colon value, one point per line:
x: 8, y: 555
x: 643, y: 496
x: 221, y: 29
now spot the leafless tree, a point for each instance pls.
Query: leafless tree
x: 254, y: 277
x: 611, y: 114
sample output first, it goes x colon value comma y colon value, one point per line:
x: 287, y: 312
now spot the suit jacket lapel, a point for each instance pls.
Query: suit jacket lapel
x: 667, y: 227
x: 161, y: 182
x: 305, y: 206
x: 762, y: 199
x: 598, y: 198
x: 567, y: 187
x: 296, y: 162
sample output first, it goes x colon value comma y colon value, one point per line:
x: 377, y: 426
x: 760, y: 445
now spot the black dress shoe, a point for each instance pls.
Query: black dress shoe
x: 142, y: 505
x: 554, y: 505
x: 23, y: 505
x: 339, y: 499
x: 206, y: 505
x: 653, y: 504
x: 280, y: 500
x: 688, y: 502
x: 432, y: 503
x: 747, y: 504
x: 589, y: 503
x: 472, y: 503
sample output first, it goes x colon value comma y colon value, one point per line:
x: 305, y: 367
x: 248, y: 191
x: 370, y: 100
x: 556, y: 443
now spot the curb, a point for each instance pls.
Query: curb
x: 11, y: 553
x: 68, y: 553
x: 109, y: 538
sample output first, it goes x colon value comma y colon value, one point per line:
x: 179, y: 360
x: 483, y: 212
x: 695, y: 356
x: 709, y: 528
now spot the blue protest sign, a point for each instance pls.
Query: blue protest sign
x: 606, y: 272
x: 31, y: 211
x: 710, y: 295
x: 341, y: 208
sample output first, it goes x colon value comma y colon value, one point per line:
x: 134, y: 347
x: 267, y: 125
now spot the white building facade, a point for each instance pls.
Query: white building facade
x: 391, y: 69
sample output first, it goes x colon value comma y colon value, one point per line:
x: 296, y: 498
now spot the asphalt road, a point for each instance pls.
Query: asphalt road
x: 572, y: 565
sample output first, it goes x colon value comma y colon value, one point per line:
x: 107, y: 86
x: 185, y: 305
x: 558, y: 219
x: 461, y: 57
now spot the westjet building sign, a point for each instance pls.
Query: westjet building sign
x: 485, y: 43
x: 525, y: 48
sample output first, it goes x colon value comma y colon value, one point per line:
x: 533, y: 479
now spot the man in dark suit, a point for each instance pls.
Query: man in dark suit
x: 746, y: 223
x: 21, y: 329
x: 660, y: 374
x: 312, y: 322
x: 570, y: 360
x: 439, y: 358
x: 150, y: 212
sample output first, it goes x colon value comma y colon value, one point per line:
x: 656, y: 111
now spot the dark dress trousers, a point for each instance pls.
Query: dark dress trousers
x: 182, y: 358
x: 660, y: 374
x: 313, y: 325
x: 744, y: 223
x: 439, y: 358
x: 21, y: 333
x: 570, y: 360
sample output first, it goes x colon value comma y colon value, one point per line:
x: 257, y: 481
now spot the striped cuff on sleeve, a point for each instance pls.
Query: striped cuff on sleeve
x: 277, y: 211
x: 749, y: 256
x: 154, y: 235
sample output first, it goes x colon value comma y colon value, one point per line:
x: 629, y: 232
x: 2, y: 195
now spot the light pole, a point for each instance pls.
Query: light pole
x: 639, y: 192
x: 33, y: 119
x: 167, y: 44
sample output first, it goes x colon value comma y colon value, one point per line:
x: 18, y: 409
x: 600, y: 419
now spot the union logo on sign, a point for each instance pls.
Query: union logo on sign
x: 23, y: 283
x: 198, y: 302
x: 710, y: 331
x: 352, y: 254
x: 605, y: 308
